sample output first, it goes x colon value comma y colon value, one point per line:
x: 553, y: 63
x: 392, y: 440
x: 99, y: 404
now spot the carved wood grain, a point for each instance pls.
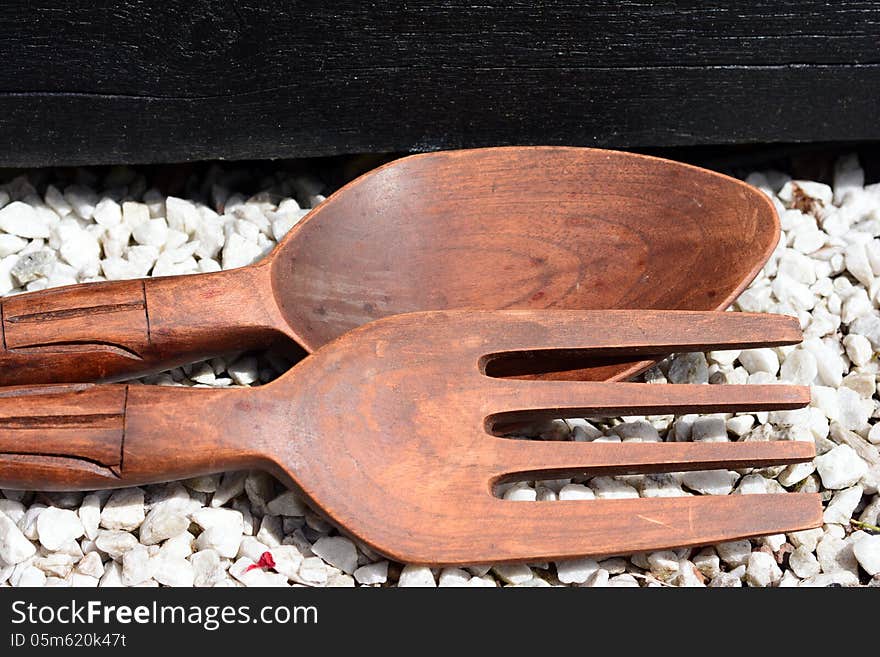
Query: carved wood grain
x: 387, y: 432
x: 534, y: 227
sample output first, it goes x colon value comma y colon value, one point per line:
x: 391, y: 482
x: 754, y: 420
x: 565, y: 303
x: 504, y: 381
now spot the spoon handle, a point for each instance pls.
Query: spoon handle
x: 120, y: 329
x: 88, y: 436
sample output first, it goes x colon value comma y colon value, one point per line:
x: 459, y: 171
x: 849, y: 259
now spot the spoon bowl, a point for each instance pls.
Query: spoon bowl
x: 486, y: 229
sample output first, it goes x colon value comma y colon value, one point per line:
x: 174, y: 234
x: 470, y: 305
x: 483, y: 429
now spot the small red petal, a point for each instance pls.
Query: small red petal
x: 265, y: 561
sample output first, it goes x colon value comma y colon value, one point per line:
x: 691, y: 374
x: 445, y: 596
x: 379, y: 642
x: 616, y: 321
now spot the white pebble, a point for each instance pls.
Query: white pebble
x: 223, y: 530
x: 82, y: 200
x: 134, y: 214
x: 709, y: 429
x: 137, y: 567
x: 91, y: 565
x: 841, y: 507
x: 514, y: 573
x: 287, y: 504
x: 82, y: 251
x: 799, y: 368
x: 14, y: 510
x: 836, y: 554
x: 28, y: 577
x: 608, y: 488
x: 864, y: 383
x: 840, y: 467
x: 124, y: 510
x: 837, y: 578
x: 160, y: 524
x: 238, y: 251
x: 338, y: 551
x: 172, y: 570
x: 689, y: 368
x: 112, y: 576
x: 819, y: 192
x: 599, y: 579
x: 182, y: 214
x: 797, y: 266
x: 829, y: 364
x: 663, y: 564
x: 867, y: 552
x: 416, y: 576
x: 108, y: 213
x: 854, y: 411
x: 575, y: 571
x: 856, y: 258
x: 789, y: 292
x: 521, y: 492
x: 710, y: 482
x: 55, y: 200
x: 152, y: 232
x: 762, y: 570
x: 576, y: 492
x: 454, y: 578
x: 755, y: 484
x: 734, y: 553
x: 10, y: 244
x: 874, y: 434
x: 623, y: 581
x: 740, y: 425
x: 78, y: 580
x: 795, y: 473
x: 688, y: 575
x: 376, y: 573
x: 115, y: 543
x: 707, y: 562
x: 90, y: 515
x: 210, y: 236
x: 804, y: 563
x: 807, y: 538
x: 14, y: 546
x: 759, y: 360
x: 55, y: 527
x: 244, y: 371
x: 725, y: 358
x: 207, y: 568
x: 313, y: 571
x: 141, y: 258
x: 21, y: 219
x: 639, y: 431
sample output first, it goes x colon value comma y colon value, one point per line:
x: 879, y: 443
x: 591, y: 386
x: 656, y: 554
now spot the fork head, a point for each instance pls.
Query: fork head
x: 395, y: 435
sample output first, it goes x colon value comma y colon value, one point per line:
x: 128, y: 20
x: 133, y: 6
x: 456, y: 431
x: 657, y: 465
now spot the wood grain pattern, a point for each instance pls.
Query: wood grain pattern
x: 136, y: 81
x: 413, y: 477
x: 531, y: 227
x: 120, y: 329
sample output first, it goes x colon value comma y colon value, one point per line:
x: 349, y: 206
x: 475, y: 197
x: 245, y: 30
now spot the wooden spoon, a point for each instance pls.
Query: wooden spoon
x: 390, y: 431
x: 494, y: 228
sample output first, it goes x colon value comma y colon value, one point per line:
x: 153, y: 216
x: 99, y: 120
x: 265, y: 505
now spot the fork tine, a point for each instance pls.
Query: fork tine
x: 635, y: 332
x: 523, y: 531
x: 555, y: 459
x: 516, y: 400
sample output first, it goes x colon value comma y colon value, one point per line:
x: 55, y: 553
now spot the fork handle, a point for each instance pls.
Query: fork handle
x: 120, y: 329
x: 86, y: 436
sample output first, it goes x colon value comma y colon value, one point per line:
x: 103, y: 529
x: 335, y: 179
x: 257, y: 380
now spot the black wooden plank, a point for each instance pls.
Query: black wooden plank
x: 97, y: 81
x: 396, y: 111
x: 207, y: 47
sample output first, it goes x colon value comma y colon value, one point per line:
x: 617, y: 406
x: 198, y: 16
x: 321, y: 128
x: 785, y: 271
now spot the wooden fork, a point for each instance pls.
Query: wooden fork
x: 389, y: 431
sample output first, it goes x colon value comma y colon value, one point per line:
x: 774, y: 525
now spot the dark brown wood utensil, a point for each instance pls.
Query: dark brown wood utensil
x: 495, y: 228
x: 389, y: 431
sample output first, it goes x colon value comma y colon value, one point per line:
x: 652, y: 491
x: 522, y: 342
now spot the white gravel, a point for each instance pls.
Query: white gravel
x: 228, y: 529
